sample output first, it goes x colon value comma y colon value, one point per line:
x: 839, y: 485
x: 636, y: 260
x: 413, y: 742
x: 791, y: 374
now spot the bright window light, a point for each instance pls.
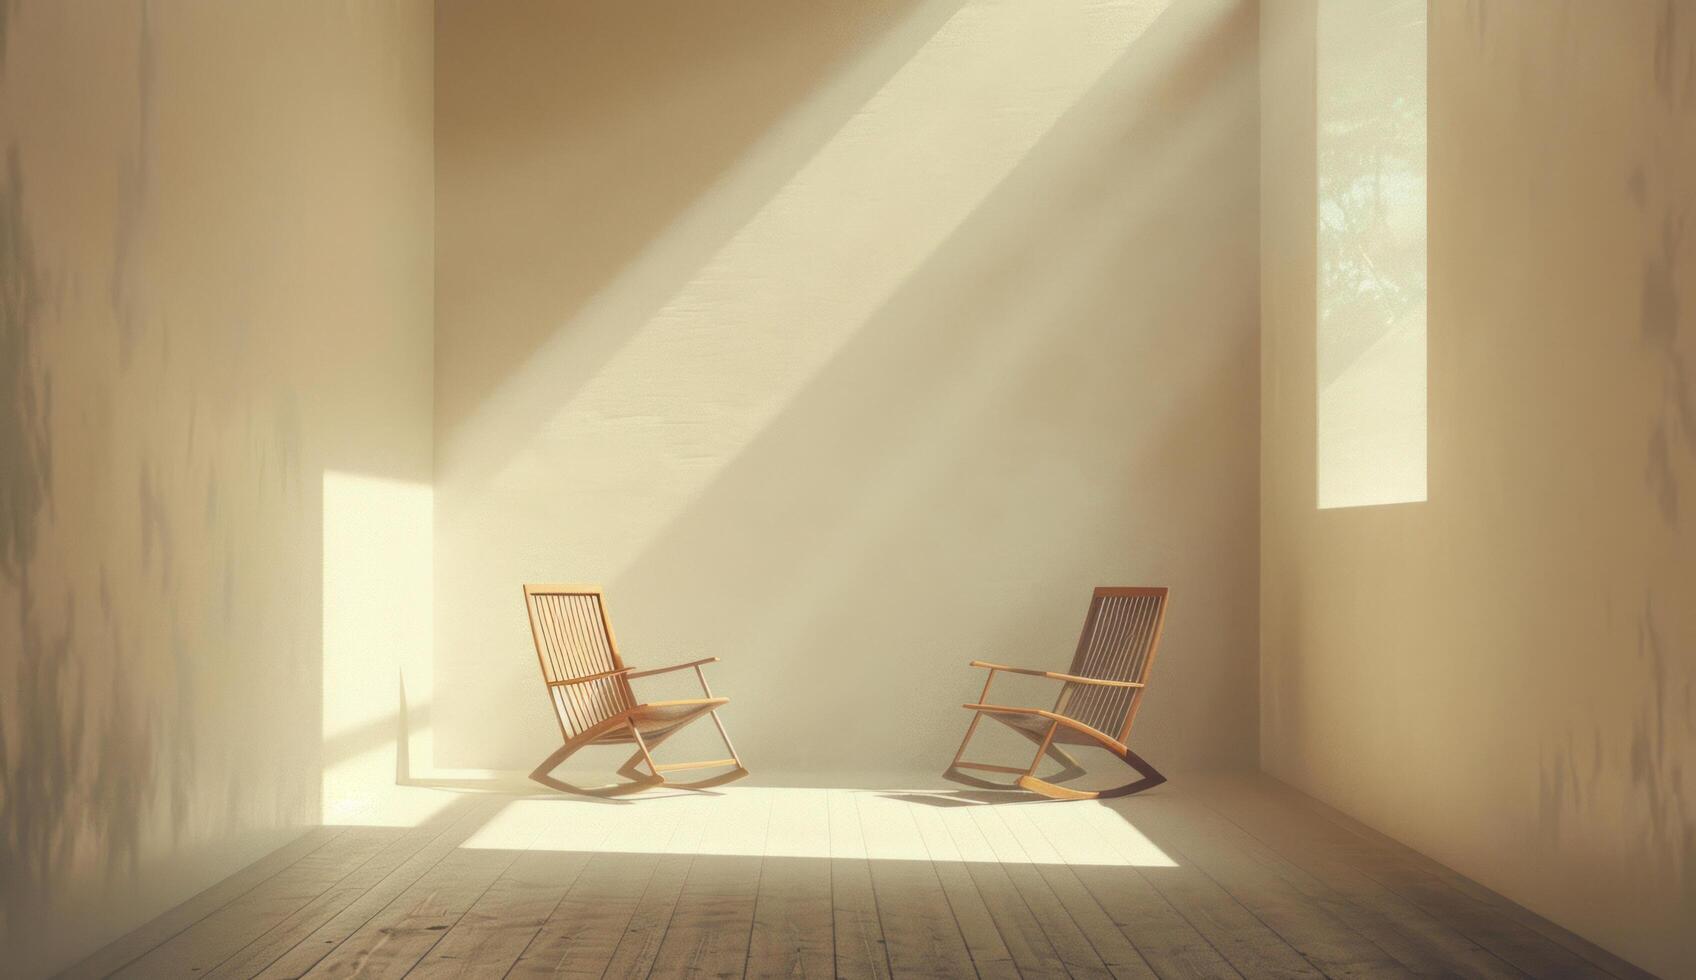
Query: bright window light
x: 1371, y: 242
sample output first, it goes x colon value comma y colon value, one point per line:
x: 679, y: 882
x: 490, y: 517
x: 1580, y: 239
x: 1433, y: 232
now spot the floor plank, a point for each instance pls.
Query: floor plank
x: 919, y: 927
x: 792, y: 935
x: 1014, y: 915
x: 640, y: 946
x: 1116, y: 952
x: 978, y: 926
x: 1401, y: 928
x: 709, y: 931
x: 1164, y: 937
x: 861, y: 950
x: 1075, y: 949
x: 582, y: 933
x: 1213, y: 848
x: 244, y: 919
x: 1211, y: 877
x: 1252, y: 949
x: 132, y: 946
x: 495, y: 931
x: 329, y: 936
x: 393, y: 941
x: 294, y: 930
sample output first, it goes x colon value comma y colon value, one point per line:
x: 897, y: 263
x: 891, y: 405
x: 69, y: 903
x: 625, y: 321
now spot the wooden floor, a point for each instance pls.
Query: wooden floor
x: 1203, y: 877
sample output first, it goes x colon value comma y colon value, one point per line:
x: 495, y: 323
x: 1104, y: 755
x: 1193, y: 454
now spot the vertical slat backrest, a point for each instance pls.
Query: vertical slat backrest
x: 574, y: 639
x: 1120, y: 637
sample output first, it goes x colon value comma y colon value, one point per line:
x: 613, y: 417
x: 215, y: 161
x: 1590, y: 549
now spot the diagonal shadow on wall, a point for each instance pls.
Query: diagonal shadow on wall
x: 650, y: 134
x: 1063, y: 394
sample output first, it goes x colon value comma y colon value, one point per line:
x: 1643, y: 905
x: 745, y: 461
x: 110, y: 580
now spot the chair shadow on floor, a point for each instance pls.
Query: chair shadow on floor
x: 951, y: 798
x: 987, y: 793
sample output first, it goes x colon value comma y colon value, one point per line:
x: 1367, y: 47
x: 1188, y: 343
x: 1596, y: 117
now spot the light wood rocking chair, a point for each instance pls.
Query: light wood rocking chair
x: 1100, y: 694
x: 589, y: 688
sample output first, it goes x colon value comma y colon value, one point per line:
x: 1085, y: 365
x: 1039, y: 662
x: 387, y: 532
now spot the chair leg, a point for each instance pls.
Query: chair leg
x: 1043, y: 787
x: 971, y: 730
x: 644, y: 752
x: 707, y: 690
x: 726, y: 737
x: 1072, y: 769
x: 647, y: 757
x: 1042, y: 748
x: 636, y: 757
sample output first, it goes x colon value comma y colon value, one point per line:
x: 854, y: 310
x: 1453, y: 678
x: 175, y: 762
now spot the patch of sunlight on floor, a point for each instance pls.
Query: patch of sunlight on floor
x: 818, y: 823
x: 390, y: 806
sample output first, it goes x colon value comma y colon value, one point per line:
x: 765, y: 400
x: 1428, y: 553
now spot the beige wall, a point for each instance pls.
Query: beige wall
x: 1502, y: 676
x: 215, y: 262
x: 846, y: 342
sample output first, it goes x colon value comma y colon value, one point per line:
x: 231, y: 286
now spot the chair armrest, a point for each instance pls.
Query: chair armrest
x: 603, y: 675
x: 666, y: 670
x: 1055, y: 675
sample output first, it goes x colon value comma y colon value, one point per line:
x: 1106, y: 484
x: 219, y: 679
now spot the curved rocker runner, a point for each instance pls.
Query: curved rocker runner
x: 1100, y: 694
x: 589, y: 687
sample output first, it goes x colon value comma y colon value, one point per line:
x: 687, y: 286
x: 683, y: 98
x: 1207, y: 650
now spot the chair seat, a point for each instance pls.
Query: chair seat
x: 658, y: 719
x: 1034, y: 727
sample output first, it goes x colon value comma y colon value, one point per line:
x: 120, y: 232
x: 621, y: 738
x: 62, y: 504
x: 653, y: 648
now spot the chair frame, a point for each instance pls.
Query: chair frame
x: 622, y: 726
x: 1078, y: 731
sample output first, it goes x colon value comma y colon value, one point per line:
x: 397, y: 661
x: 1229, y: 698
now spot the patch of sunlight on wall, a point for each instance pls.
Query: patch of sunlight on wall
x: 377, y: 631
x: 1096, y: 835
x: 1371, y: 239
x: 874, y: 203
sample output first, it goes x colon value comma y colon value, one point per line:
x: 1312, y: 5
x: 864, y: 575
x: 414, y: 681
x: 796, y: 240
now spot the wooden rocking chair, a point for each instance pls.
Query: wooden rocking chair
x: 589, y: 687
x: 1101, y: 694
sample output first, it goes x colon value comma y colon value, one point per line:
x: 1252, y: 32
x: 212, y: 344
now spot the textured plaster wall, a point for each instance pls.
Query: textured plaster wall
x: 215, y: 263
x: 846, y: 342
x: 1503, y: 676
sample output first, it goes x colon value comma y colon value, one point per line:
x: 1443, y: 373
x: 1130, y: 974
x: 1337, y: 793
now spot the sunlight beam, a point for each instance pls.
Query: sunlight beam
x: 696, y: 381
x: 377, y: 582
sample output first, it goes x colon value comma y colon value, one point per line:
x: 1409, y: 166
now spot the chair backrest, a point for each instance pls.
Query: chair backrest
x: 1119, y: 640
x: 574, y: 639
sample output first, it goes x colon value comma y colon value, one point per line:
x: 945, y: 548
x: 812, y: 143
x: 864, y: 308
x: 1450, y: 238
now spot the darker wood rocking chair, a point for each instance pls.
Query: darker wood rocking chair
x: 1099, y: 695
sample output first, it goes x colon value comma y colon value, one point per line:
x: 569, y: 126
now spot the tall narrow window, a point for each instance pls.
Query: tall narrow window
x: 1371, y: 238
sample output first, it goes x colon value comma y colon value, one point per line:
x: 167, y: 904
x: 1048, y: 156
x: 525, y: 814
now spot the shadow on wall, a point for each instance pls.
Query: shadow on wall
x: 52, y: 721
x: 40, y: 805
x: 165, y: 406
x: 25, y: 390
x: 666, y: 125
x: 1580, y: 779
x: 1675, y: 426
x: 1646, y: 771
x: 1060, y: 393
x: 1662, y: 190
x: 1026, y: 370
